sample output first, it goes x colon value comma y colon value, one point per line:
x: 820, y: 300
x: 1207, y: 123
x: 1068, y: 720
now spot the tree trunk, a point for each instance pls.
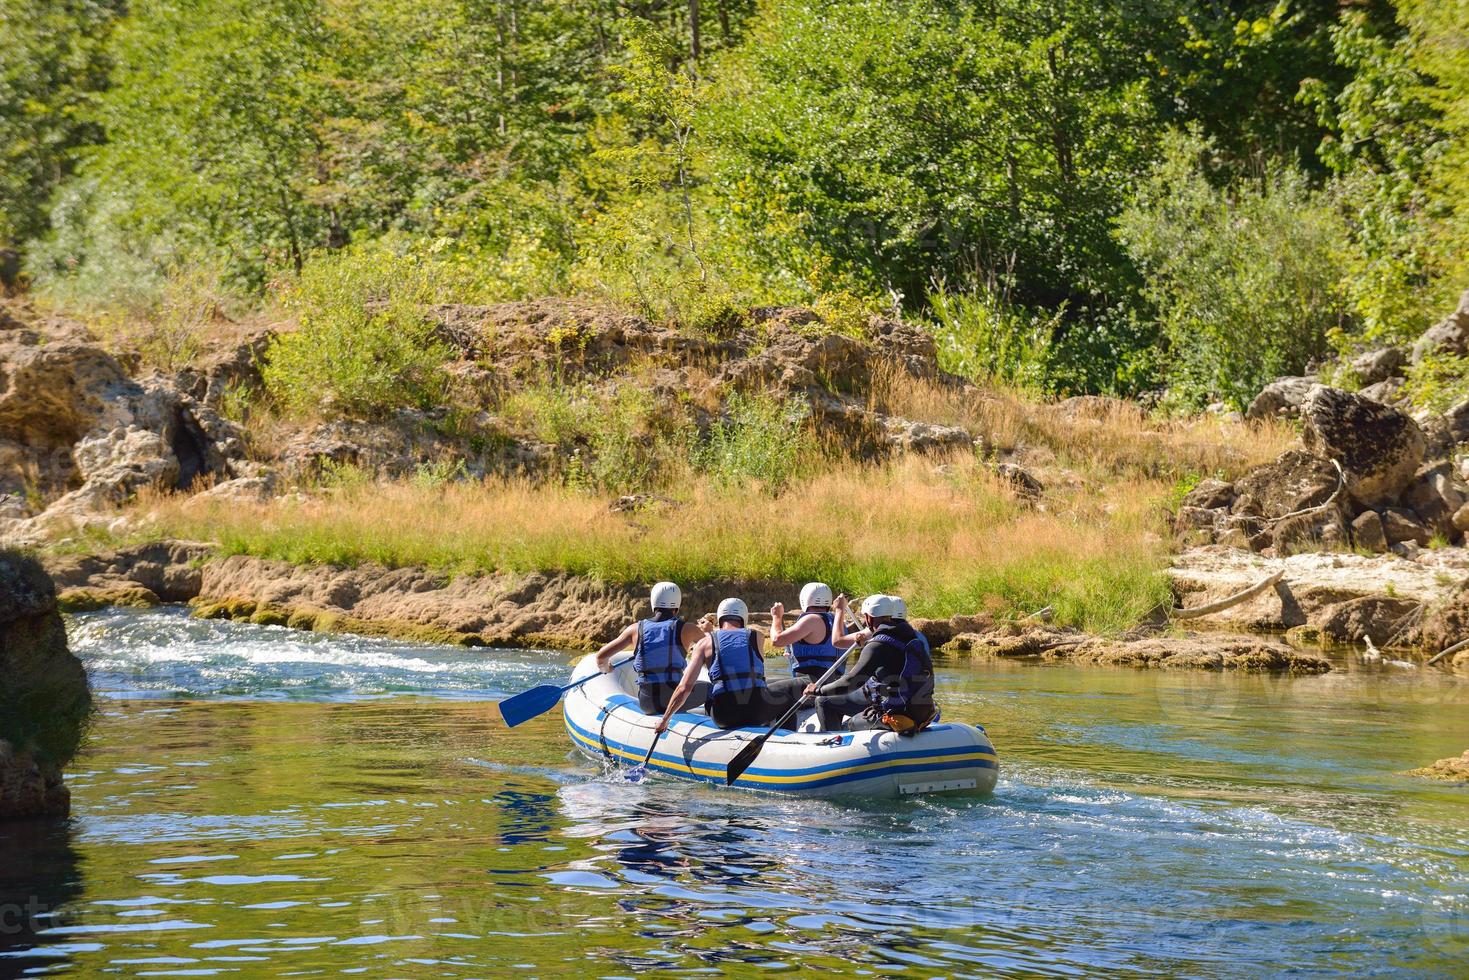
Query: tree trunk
x: 694, y: 29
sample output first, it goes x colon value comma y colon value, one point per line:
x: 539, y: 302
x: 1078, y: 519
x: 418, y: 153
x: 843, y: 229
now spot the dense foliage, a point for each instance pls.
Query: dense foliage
x: 1010, y: 169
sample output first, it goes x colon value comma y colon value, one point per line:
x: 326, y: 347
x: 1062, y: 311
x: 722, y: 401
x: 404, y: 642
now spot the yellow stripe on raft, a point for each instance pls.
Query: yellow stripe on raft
x: 749, y: 777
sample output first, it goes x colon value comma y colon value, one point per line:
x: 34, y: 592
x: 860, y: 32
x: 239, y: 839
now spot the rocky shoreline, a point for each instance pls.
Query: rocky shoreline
x: 569, y: 612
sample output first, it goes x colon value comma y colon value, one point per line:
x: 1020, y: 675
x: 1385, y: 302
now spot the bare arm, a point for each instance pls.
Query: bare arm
x: 807, y: 627
x: 686, y: 683
x: 625, y: 639
x: 840, y: 638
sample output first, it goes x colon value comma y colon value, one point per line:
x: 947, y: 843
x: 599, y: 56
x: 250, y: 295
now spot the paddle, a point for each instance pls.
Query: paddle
x: 637, y: 772
x: 741, y: 762
x: 526, y: 705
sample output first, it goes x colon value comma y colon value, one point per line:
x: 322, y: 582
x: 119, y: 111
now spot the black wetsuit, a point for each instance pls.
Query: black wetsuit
x: 844, y: 697
x: 762, y: 706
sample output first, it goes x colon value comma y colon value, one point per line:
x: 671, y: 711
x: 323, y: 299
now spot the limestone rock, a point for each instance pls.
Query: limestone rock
x: 1449, y: 336
x: 77, y: 430
x: 925, y: 437
x: 1295, y: 481
x: 1388, y: 392
x: 1281, y: 398
x: 1377, y: 366
x: 1450, y: 770
x: 1436, y: 494
x: 1209, y: 493
x: 1401, y: 525
x: 1368, y: 533
x: 1379, y: 447
x: 1375, y: 617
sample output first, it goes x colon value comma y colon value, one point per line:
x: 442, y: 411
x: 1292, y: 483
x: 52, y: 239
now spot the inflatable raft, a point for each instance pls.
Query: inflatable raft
x: 604, y: 721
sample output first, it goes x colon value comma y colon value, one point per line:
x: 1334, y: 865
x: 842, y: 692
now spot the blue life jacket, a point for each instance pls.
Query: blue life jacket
x: 659, y: 656
x: 817, y: 656
x: 736, y: 665
x: 897, y: 692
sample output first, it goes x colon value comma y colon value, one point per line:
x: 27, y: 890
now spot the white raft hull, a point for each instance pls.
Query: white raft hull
x: 604, y: 721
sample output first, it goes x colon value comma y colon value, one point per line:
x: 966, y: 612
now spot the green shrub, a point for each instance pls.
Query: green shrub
x: 364, y: 347
x: 981, y: 335
x: 1245, y: 279
x: 759, y: 439
x: 1438, y: 382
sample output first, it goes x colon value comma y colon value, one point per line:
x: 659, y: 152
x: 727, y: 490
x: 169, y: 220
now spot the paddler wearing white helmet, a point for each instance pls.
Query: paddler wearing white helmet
x: 660, y: 646
x: 813, y: 641
x: 891, y: 684
x: 739, y: 694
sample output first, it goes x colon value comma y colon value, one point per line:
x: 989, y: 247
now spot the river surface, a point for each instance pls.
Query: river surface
x: 256, y: 802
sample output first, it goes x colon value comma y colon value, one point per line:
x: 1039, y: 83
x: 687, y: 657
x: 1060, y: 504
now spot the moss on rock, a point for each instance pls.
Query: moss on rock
x: 87, y: 599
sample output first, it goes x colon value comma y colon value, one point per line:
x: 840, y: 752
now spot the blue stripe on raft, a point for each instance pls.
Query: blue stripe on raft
x: 683, y: 772
x: 825, y: 767
x: 680, y: 767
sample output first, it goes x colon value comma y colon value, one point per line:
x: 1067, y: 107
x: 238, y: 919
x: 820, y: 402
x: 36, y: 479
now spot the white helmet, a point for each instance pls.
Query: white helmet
x: 900, y: 608
x: 733, y: 609
x: 815, y: 594
x: 665, y: 595
x: 878, y: 606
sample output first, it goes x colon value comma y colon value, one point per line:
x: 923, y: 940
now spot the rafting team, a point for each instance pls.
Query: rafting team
x: 889, y: 687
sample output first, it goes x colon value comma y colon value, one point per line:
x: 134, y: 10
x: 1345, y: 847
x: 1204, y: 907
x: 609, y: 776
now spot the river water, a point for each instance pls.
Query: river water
x: 255, y: 801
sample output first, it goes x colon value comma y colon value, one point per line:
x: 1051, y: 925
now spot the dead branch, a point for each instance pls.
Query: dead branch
x: 1234, y: 600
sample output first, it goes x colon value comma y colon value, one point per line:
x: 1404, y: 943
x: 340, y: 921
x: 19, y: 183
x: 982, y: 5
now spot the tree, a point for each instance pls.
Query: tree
x: 1245, y: 278
x: 52, y: 64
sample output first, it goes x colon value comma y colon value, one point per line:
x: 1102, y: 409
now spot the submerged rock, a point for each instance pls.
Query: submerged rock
x: 44, y: 699
x: 1454, y: 769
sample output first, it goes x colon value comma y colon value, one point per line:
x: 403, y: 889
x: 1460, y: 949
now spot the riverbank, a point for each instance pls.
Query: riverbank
x: 578, y: 612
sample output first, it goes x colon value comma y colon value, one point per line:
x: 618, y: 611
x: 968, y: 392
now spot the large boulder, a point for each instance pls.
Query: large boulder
x: 1448, y: 336
x: 1377, y: 366
x: 1388, y: 392
x: 1378, y: 618
x: 1435, y: 494
x: 1281, y: 398
x: 1379, y: 447
x: 1368, y: 533
x: 44, y: 700
x: 1209, y: 493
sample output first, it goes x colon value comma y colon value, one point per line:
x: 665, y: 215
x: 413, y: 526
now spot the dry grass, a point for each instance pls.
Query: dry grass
x: 1102, y: 438
x: 952, y: 541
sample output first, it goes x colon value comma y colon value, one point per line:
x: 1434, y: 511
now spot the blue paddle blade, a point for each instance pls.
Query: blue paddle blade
x: 528, y: 704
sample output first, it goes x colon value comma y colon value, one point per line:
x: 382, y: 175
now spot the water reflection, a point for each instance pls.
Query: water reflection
x: 40, y: 879
x: 1143, y: 825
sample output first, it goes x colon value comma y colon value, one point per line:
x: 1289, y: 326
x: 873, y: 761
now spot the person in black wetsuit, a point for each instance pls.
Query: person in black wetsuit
x: 739, y: 694
x: 660, y: 650
x: 890, y: 686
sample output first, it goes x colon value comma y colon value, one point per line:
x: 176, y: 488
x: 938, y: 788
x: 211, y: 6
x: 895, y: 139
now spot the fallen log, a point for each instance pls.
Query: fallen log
x: 1448, y: 650
x: 1228, y: 601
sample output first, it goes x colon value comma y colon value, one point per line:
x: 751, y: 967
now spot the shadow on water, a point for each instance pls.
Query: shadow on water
x: 40, y: 878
